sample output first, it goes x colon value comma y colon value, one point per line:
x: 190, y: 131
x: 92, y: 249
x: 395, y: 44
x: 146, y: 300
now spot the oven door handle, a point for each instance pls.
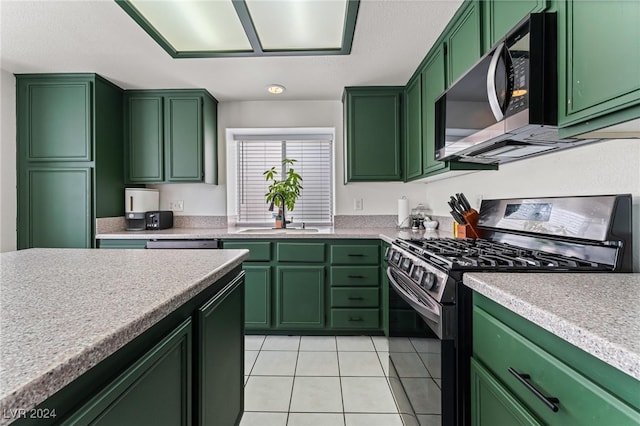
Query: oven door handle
x: 430, y: 312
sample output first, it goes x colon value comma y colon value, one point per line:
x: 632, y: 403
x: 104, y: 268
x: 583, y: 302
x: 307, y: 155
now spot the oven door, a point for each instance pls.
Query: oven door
x: 421, y: 363
x: 439, y: 318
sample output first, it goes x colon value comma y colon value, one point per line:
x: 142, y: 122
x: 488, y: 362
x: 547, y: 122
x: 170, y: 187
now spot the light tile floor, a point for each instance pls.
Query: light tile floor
x: 321, y: 380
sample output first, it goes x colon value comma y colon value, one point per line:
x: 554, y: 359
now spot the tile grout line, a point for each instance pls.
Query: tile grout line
x: 293, y: 381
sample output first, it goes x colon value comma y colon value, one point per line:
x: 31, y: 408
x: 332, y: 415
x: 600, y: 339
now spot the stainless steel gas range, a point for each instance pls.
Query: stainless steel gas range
x: 556, y: 234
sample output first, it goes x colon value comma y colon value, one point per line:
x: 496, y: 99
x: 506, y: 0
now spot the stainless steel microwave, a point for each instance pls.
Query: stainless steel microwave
x: 505, y: 107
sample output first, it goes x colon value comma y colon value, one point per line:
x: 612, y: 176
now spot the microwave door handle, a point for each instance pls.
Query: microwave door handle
x: 494, y: 103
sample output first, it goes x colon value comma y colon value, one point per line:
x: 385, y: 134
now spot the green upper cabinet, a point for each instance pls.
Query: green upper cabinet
x: 170, y: 136
x: 431, y: 77
x: 502, y: 16
x: 69, y: 157
x: 183, y: 140
x: 434, y: 84
x: 413, y: 131
x: 373, y: 133
x: 598, y: 64
x: 463, y: 39
x: 59, y: 126
x: 145, y: 133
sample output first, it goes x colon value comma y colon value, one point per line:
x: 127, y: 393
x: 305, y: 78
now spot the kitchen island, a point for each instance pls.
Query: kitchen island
x: 76, y: 323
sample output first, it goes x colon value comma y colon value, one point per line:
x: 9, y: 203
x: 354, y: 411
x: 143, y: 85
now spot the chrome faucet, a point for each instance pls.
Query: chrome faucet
x: 284, y: 219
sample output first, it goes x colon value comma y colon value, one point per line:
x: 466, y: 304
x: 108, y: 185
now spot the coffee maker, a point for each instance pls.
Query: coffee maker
x: 138, y: 201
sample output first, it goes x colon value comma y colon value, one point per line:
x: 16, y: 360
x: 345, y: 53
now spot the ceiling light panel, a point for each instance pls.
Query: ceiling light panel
x: 298, y: 24
x: 195, y: 26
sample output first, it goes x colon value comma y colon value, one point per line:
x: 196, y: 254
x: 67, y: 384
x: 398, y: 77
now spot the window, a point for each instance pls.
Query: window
x: 314, y: 163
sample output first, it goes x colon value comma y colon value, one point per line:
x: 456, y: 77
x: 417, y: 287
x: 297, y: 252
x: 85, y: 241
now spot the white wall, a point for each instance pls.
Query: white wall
x: 607, y: 167
x: 7, y: 161
x: 201, y: 199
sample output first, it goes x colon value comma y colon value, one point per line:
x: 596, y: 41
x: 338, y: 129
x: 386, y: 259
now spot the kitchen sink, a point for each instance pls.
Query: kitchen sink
x: 277, y: 231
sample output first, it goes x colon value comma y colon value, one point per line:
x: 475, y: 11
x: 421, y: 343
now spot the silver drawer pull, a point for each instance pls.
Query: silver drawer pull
x: 549, y: 401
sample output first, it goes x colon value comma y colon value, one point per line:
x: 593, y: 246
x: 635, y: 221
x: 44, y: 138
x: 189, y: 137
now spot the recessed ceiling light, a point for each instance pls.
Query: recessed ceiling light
x: 275, y: 89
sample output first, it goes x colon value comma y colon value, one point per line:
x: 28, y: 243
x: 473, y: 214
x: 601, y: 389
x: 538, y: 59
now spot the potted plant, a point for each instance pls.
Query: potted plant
x: 287, y: 190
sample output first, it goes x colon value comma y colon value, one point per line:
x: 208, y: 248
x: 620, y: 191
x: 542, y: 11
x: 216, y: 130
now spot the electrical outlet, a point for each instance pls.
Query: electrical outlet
x: 176, y: 206
x: 357, y: 204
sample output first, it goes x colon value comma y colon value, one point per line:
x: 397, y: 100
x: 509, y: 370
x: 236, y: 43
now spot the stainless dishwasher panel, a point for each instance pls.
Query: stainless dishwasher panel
x: 184, y: 244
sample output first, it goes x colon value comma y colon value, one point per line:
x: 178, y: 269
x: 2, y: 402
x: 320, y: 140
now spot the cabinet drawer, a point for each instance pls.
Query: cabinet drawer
x: 582, y: 401
x: 258, y: 250
x: 354, y: 276
x: 355, y: 297
x: 355, y: 318
x: 355, y: 254
x: 300, y: 252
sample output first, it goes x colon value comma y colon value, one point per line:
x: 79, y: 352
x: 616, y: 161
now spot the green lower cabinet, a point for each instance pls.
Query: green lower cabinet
x: 257, y: 311
x: 355, y: 297
x: 221, y: 358
x: 492, y: 404
x: 56, y: 208
x: 355, y: 318
x: 156, y: 390
x: 588, y: 391
x: 300, y: 297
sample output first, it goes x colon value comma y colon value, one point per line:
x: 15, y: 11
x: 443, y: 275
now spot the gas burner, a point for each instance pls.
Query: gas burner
x: 489, y: 255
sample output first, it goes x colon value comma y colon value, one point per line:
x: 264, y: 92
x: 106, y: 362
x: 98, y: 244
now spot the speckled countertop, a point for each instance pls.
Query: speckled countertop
x: 62, y: 311
x: 598, y: 313
x: 387, y: 234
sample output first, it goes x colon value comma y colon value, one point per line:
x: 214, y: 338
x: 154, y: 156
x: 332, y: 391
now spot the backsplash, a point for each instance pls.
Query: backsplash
x: 364, y: 221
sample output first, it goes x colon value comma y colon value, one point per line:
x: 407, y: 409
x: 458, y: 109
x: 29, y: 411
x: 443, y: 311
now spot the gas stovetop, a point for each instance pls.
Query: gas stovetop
x: 472, y: 254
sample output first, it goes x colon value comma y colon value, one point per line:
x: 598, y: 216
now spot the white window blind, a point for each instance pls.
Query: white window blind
x: 314, y: 164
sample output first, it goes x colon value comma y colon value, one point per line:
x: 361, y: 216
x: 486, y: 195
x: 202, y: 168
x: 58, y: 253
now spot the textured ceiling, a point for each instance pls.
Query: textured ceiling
x: 391, y: 38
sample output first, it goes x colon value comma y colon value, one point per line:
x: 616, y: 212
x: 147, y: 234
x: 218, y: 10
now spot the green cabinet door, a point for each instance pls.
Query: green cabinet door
x: 171, y: 136
x: 183, y: 138
x: 463, y: 40
x: 492, y: 404
x: 145, y: 138
x: 55, y: 208
x: 156, y: 390
x: 55, y: 117
x: 435, y: 83
x: 373, y: 133
x: 257, y: 298
x: 413, y: 132
x: 300, y: 297
x: 502, y: 16
x: 220, y: 354
x: 598, y: 64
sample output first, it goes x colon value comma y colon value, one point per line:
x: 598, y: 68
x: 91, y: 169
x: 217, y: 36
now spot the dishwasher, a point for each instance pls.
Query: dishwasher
x: 201, y: 244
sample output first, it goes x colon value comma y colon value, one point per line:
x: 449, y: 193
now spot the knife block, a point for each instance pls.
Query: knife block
x: 469, y: 230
